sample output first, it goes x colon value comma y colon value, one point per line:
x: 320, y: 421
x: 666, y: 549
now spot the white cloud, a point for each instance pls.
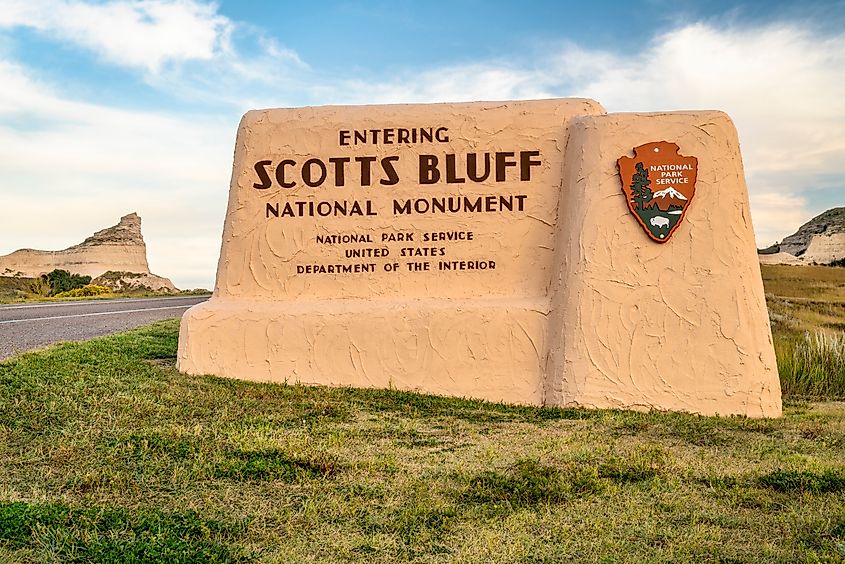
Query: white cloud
x: 146, y: 34
x: 497, y: 81
x: 783, y: 85
x: 71, y: 167
x: 774, y: 213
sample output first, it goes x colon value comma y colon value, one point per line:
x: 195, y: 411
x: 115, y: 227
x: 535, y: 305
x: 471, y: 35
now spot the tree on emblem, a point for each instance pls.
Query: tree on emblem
x: 640, y: 191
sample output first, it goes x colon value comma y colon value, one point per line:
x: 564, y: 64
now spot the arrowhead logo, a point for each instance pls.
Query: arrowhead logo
x: 658, y: 183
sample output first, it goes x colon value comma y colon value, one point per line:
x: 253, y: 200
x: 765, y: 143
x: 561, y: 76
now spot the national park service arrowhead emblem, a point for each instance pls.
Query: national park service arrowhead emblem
x: 658, y: 184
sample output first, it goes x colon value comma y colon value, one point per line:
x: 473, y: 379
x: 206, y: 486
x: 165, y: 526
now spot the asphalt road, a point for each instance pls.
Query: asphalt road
x: 31, y: 326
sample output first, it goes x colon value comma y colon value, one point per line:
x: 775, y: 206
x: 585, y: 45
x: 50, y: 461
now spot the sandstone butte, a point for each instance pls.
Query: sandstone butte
x: 118, y: 252
x: 819, y: 241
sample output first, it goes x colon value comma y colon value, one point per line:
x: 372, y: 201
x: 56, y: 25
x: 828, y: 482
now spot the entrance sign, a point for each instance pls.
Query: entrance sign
x: 482, y: 250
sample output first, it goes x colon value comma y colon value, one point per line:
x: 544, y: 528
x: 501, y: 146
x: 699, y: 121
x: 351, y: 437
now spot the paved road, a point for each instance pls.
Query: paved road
x: 30, y: 326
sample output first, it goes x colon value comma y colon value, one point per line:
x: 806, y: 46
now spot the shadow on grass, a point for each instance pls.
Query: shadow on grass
x: 528, y: 482
x: 240, y: 465
x: 145, y: 444
x: 118, y: 535
x: 805, y: 481
x: 274, y: 464
x: 419, y: 526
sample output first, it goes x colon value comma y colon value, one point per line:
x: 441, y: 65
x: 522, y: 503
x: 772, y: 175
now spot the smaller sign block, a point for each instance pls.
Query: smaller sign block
x: 680, y: 325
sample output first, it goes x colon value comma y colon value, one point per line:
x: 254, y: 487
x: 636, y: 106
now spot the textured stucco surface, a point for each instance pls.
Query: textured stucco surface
x: 678, y: 326
x: 259, y: 252
x: 468, y: 333
x: 582, y: 309
x: 489, y: 349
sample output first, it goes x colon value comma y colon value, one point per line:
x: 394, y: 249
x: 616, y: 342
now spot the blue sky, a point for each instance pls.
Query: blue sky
x: 112, y: 107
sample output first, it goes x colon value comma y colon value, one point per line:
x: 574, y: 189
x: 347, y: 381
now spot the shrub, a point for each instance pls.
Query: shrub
x: 63, y: 281
x: 813, y: 366
x: 40, y: 287
x: 89, y: 290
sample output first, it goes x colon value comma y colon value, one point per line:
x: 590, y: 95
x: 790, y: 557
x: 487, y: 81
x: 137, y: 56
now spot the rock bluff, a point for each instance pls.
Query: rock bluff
x: 819, y: 241
x: 116, y: 249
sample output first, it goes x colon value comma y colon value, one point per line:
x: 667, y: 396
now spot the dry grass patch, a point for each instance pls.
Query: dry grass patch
x: 819, y: 283
x: 807, y: 311
x: 105, y: 449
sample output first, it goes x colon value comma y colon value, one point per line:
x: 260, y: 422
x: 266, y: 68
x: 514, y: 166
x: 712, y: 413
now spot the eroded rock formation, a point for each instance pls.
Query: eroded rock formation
x: 133, y: 281
x: 819, y: 241
x: 119, y: 248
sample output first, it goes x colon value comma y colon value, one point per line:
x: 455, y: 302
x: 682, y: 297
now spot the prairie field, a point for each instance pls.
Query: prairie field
x: 18, y: 289
x: 807, y: 311
x: 108, y: 454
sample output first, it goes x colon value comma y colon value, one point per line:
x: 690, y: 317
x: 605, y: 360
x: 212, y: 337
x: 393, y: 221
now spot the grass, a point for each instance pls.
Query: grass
x: 807, y: 310
x: 108, y: 454
x: 822, y: 283
x: 115, y: 535
x: 812, y: 365
x: 14, y: 289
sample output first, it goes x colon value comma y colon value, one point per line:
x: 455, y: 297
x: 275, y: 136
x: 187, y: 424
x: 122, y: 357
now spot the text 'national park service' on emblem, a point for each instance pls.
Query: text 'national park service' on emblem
x: 658, y: 184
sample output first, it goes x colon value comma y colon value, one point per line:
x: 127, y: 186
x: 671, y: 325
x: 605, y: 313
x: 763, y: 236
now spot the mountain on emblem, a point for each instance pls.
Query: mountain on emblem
x: 667, y: 199
x: 658, y: 184
x: 669, y: 193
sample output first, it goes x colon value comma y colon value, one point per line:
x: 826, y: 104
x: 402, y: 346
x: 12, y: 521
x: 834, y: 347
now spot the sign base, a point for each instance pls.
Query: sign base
x: 489, y: 349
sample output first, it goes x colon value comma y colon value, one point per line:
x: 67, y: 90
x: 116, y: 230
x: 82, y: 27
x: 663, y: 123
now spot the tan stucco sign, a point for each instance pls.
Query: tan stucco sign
x: 454, y: 249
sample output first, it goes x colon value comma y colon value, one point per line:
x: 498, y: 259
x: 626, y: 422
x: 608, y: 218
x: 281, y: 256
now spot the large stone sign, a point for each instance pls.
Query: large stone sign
x: 537, y: 252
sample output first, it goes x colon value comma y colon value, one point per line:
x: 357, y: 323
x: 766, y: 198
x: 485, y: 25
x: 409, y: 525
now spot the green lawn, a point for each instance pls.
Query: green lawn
x: 107, y: 453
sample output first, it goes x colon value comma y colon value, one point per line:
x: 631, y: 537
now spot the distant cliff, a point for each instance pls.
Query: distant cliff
x: 819, y: 241
x: 119, y: 248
